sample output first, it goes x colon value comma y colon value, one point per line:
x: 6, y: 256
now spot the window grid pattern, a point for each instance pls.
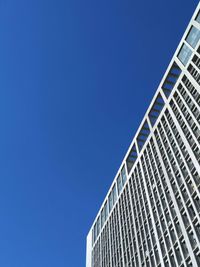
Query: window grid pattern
x: 141, y: 244
x: 154, y: 212
x: 105, y: 247
x: 177, y: 180
x: 116, y: 250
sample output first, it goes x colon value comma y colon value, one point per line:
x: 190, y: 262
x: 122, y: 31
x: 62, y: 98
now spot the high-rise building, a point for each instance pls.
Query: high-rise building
x: 151, y: 214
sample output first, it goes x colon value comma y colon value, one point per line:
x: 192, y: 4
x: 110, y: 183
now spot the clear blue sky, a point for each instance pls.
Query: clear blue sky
x: 75, y: 80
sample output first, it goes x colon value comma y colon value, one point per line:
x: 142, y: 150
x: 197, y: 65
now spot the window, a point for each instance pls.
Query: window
x: 156, y: 109
x: 110, y: 201
x: 171, y: 79
x: 98, y: 226
x: 114, y: 193
x: 121, y: 179
x: 123, y: 174
x: 106, y: 210
x: 112, y: 197
x: 198, y: 17
x: 143, y: 135
x: 119, y: 184
x: 95, y: 232
x: 93, y: 236
x: 102, y: 217
x: 184, y: 54
x: 131, y: 158
x: 193, y: 37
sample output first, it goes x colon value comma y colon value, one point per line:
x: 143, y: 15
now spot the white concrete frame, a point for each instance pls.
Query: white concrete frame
x: 90, y: 244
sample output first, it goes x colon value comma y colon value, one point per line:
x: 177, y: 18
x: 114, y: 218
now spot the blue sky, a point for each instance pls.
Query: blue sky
x: 75, y: 80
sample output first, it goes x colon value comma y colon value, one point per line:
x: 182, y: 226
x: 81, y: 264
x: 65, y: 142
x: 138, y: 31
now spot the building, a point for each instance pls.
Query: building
x: 151, y: 214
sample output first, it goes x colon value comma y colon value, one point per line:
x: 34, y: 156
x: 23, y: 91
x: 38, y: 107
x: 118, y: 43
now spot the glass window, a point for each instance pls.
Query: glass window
x: 104, y: 214
x: 119, y: 184
x: 110, y: 201
x: 102, y: 217
x: 114, y: 193
x: 106, y: 210
x: 198, y: 17
x: 123, y: 174
x: 93, y: 235
x: 98, y: 226
x: 184, y: 54
x: 193, y: 37
x: 95, y: 232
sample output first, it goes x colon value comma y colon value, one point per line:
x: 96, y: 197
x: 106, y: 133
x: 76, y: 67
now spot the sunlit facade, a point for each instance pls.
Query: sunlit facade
x: 151, y: 214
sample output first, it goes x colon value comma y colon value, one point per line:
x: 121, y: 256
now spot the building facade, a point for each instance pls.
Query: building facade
x: 151, y: 214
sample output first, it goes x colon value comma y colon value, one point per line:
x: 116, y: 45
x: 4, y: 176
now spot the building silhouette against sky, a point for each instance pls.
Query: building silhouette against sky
x: 151, y: 214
